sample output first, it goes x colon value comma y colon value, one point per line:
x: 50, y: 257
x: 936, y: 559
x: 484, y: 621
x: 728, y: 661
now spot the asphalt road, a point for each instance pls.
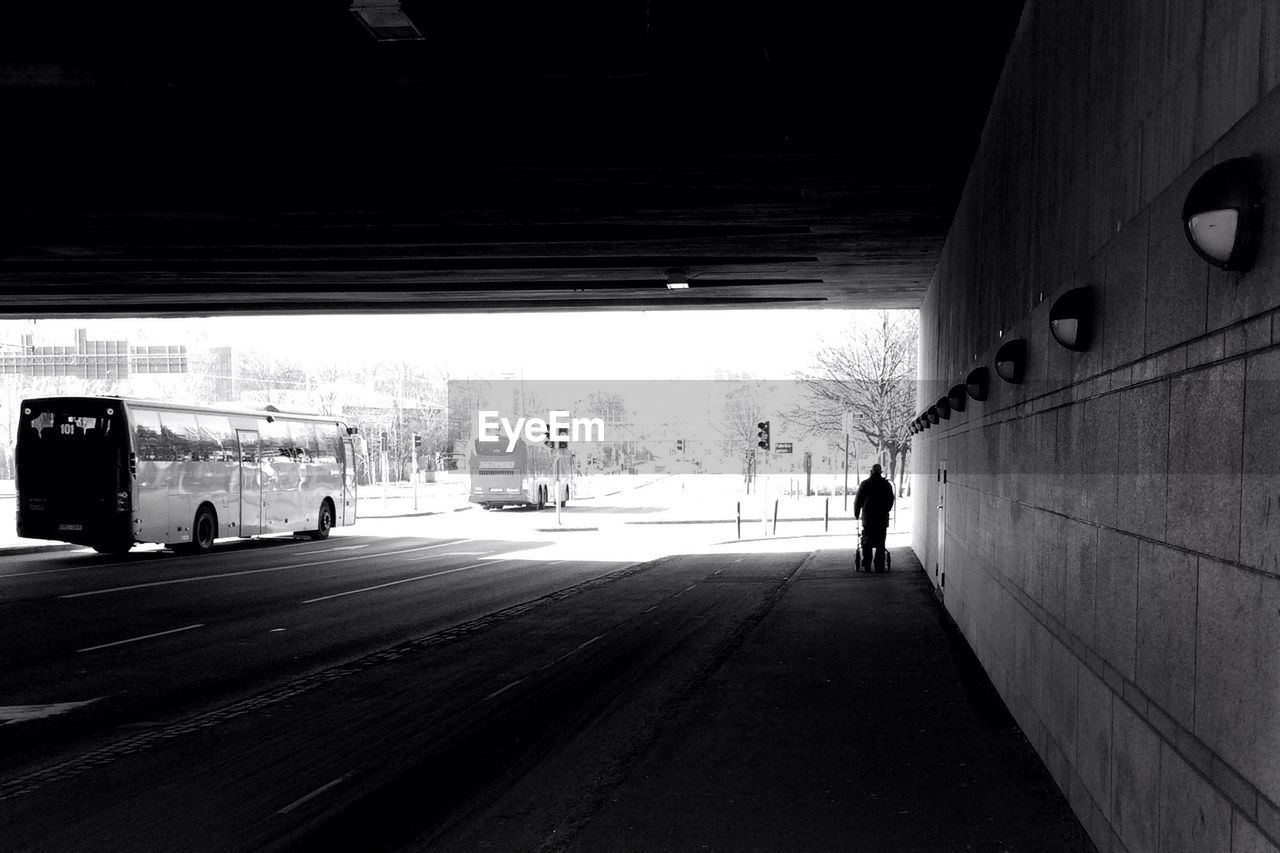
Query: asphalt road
x: 624, y: 679
x: 277, y: 692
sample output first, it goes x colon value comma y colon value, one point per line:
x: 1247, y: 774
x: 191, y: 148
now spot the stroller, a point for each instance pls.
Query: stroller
x: 858, y: 561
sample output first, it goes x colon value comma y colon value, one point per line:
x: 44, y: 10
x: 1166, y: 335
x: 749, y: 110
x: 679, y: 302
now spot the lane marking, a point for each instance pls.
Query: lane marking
x: 143, y: 637
x: 573, y: 652
x: 340, y: 548
x: 672, y: 598
x: 402, y: 580
x: 250, y: 571
x: 21, y: 713
x: 317, y: 792
x: 70, y: 569
x: 495, y: 694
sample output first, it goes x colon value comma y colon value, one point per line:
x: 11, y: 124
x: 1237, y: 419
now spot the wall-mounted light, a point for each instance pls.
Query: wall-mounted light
x: 956, y: 397
x: 677, y: 280
x: 975, y: 384
x: 385, y: 20
x: 1071, y: 319
x: 944, y: 408
x: 1222, y: 216
x: 1011, y: 360
x: 933, y: 414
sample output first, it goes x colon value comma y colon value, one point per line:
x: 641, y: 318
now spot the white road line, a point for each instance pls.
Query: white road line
x: 56, y: 571
x: 92, y: 566
x: 317, y: 792
x: 495, y: 694
x: 573, y: 652
x: 252, y: 571
x: 143, y: 637
x: 340, y: 548
x: 672, y: 598
x: 402, y: 580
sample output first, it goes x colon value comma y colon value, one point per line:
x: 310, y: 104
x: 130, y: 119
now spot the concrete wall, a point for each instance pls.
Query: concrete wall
x: 1111, y: 542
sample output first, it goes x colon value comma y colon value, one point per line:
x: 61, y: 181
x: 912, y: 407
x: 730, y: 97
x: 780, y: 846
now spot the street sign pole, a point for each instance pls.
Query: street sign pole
x: 846, y: 472
x: 847, y: 423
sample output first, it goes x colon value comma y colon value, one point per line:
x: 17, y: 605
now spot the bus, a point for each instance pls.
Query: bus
x: 109, y: 472
x: 524, y: 476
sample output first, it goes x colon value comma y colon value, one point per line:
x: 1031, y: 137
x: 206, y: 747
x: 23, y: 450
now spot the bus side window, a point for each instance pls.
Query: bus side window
x: 329, y: 443
x: 306, y: 437
x: 275, y: 442
x: 146, y: 426
x: 180, y: 436
x: 217, y: 441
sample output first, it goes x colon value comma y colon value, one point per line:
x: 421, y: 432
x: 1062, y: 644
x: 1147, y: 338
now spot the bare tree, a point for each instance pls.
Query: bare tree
x: 871, y: 375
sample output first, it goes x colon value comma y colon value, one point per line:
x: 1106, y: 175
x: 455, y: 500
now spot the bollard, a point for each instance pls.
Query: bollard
x: 739, y: 519
x: 775, y: 518
x: 826, y: 515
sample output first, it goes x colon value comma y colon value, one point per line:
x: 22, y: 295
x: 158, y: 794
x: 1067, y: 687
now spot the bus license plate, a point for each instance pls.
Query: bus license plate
x: 72, y: 527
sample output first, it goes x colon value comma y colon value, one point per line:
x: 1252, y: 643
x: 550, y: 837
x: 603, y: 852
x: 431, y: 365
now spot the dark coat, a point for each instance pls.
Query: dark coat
x: 874, y: 500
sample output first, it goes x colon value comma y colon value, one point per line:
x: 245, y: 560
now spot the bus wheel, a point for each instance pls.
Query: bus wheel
x: 204, y: 530
x: 324, y: 522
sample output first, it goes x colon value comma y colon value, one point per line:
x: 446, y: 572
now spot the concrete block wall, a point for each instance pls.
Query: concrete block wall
x: 1111, y: 539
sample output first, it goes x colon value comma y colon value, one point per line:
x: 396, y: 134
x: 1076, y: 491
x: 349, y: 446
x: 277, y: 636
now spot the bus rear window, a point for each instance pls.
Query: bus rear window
x: 46, y: 426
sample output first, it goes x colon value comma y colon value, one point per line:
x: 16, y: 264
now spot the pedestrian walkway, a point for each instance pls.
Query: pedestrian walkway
x: 853, y: 718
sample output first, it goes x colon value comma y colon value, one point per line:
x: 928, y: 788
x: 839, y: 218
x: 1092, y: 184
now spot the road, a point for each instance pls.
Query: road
x: 289, y: 694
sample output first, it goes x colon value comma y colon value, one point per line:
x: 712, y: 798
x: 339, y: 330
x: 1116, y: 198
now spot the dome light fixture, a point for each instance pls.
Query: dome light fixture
x: 1222, y: 216
x: 1071, y: 319
x: 944, y: 408
x: 956, y: 397
x: 934, y: 417
x: 975, y: 384
x: 1011, y: 361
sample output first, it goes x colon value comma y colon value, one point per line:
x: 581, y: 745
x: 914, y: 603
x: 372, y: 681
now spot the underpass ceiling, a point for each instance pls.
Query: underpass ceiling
x: 192, y: 159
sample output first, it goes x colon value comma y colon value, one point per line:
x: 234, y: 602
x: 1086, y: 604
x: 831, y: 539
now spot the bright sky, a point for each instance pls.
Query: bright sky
x: 770, y: 344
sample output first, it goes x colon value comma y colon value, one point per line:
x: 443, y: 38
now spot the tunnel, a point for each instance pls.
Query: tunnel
x: 1074, y: 196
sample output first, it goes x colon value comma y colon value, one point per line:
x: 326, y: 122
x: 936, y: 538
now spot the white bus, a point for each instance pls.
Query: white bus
x: 526, y: 475
x: 109, y: 472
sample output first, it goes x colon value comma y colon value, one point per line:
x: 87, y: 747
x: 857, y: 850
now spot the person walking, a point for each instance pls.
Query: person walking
x: 873, y: 503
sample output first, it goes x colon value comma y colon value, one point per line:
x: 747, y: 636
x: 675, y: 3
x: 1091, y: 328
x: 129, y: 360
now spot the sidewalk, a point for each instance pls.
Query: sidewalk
x: 853, y: 718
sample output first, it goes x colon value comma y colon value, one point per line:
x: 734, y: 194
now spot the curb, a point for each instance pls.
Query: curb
x: 19, y: 550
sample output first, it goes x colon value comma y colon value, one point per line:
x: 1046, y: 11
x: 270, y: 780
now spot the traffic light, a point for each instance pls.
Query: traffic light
x: 679, y: 445
x: 762, y: 435
x: 417, y: 442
